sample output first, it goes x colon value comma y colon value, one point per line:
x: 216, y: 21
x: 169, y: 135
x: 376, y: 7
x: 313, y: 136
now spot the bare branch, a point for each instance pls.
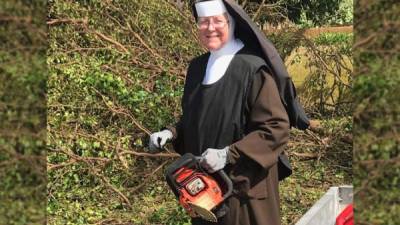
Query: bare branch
x: 258, y: 10
x: 112, y: 41
x: 70, y: 21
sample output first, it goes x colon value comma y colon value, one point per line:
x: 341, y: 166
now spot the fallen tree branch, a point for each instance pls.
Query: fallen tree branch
x: 123, y: 112
x: 137, y: 36
x: 94, y: 172
x: 57, y: 166
x: 110, y: 40
x: 71, y: 21
x: 258, y: 10
x: 305, y: 155
x: 105, y: 180
x: 137, y: 123
x: 147, y: 176
x: 155, y: 155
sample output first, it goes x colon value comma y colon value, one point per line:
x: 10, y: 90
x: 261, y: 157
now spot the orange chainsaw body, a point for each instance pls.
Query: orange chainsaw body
x: 198, y: 189
x: 198, y: 192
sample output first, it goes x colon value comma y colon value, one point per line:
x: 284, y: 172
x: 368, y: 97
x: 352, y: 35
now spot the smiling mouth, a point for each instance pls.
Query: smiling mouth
x: 212, y: 36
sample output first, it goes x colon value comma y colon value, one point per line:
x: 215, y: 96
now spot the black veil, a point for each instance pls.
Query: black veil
x: 248, y: 32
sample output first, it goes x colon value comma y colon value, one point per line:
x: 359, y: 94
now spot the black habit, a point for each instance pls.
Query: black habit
x: 250, y: 109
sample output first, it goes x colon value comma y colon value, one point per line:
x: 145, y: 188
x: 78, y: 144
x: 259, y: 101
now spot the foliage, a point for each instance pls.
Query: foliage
x: 22, y: 113
x: 344, y: 15
x: 305, y: 13
x: 376, y: 112
x: 319, y: 13
x: 326, y: 89
x: 113, y: 76
x: 339, y: 39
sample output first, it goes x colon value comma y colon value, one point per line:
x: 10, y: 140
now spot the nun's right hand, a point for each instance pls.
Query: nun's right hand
x: 159, y: 139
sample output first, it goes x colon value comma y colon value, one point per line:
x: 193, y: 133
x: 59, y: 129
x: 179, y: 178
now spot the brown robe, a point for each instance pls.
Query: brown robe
x: 253, y: 159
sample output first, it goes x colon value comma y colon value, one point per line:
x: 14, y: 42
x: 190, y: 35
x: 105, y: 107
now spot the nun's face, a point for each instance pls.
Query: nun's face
x: 213, y: 31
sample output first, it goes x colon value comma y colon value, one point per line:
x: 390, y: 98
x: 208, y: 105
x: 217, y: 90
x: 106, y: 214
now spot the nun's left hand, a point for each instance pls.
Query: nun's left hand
x: 214, y: 159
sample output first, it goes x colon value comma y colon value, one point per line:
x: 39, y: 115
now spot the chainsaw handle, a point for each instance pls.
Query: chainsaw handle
x: 228, y: 183
x: 221, y: 173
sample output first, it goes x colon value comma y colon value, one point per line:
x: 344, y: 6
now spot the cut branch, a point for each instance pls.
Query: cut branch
x: 258, y: 10
x: 110, y: 40
x: 305, y: 155
x: 71, y: 21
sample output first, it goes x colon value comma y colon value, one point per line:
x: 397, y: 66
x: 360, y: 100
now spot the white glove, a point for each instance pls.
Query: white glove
x: 158, y: 139
x: 214, y: 159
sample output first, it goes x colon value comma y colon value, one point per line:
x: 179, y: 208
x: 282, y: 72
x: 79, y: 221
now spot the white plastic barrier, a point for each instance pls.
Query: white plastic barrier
x: 327, y: 208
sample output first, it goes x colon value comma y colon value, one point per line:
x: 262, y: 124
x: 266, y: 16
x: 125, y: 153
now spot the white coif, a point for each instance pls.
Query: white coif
x: 210, y: 8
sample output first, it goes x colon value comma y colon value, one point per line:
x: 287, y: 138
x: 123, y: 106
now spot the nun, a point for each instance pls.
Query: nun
x: 237, y: 108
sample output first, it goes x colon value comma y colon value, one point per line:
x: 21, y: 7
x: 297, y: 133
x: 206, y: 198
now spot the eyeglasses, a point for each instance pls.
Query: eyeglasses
x: 217, y: 23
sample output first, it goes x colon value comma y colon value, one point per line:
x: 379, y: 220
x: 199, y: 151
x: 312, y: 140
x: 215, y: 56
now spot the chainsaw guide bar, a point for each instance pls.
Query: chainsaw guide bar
x: 203, y: 212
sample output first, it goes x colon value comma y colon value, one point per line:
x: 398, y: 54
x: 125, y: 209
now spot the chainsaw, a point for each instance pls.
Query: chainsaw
x: 197, y: 191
